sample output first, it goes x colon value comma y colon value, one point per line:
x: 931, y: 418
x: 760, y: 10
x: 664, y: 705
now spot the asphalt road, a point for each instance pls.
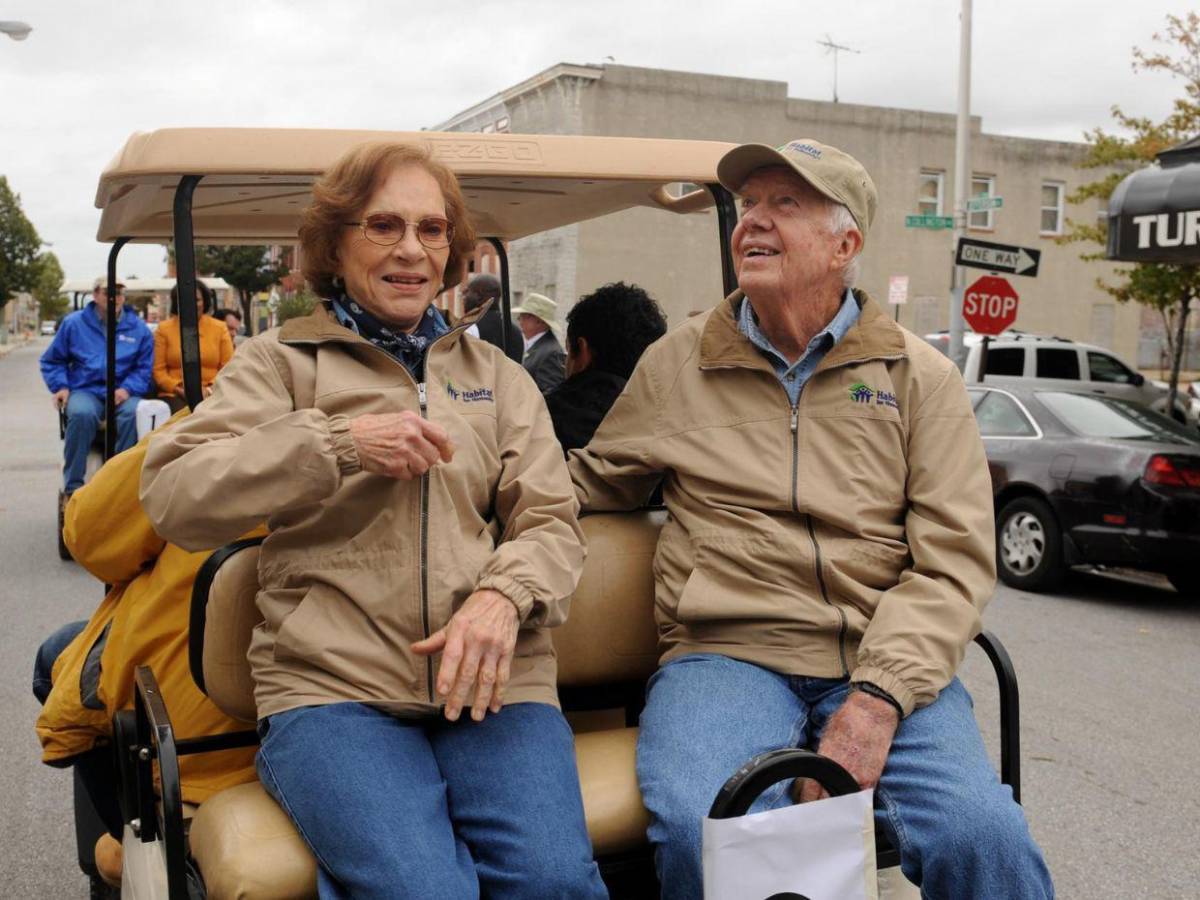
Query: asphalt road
x: 1109, y: 674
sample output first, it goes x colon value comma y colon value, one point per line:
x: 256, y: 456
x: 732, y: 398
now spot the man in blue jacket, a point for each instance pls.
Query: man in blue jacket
x: 74, y: 368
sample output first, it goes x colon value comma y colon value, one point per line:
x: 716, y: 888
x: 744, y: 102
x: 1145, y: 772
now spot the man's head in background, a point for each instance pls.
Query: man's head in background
x: 610, y: 328
x: 479, y: 290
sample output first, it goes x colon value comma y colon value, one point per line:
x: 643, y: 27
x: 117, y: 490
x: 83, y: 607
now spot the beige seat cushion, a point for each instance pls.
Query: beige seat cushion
x: 248, y: 849
x: 612, y: 803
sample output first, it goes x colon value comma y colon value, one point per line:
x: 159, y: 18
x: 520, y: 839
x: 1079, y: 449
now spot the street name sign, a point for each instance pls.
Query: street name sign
x: 997, y: 257
x: 978, y: 204
x: 990, y: 305
x: 934, y: 222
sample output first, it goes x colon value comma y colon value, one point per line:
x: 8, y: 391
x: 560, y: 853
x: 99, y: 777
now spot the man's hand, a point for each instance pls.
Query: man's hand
x: 858, y: 737
x: 477, y: 649
x: 60, y: 398
x: 401, y: 445
x: 179, y: 391
x: 120, y: 395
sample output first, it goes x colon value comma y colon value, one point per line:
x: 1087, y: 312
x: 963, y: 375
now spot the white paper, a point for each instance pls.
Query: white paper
x: 824, y: 850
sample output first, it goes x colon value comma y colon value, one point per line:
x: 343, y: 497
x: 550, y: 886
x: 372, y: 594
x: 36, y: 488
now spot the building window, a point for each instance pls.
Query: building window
x: 1052, y: 207
x: 930, y: 192
x: 982, y: 186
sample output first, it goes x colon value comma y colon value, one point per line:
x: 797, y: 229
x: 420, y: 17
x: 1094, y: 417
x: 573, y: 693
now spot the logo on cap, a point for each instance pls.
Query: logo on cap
x: 798, y: 147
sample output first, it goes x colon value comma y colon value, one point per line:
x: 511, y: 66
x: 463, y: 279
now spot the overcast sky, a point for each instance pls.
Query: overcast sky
x: 94, y: 72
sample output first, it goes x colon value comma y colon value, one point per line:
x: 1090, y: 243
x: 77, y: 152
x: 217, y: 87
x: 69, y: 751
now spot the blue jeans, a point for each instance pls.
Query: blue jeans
x: 427, y: 808
x: 959, y: 833
x: 49, y: 651
x: 84, y: 413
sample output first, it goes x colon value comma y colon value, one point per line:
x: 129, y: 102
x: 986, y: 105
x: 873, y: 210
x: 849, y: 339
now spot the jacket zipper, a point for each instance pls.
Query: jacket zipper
x: 812, y: 535
x: 424, y: 540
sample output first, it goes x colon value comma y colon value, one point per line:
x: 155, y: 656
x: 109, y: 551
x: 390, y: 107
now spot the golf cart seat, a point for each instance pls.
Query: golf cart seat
x: 245, y: 846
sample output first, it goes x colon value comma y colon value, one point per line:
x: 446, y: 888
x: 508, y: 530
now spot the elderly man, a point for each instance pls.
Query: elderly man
x: 829, y: 546
x: 544, y: 358
x: 481, y: 289
x: 74, y: 368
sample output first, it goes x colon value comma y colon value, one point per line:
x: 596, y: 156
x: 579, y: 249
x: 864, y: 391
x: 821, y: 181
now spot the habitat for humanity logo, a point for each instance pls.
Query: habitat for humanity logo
x: 860, y: 393
x: 472, y: 396
x: 800, y: 147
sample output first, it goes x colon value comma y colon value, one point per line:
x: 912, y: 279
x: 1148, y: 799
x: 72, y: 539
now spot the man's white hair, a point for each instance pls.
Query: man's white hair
x: 840, y: 221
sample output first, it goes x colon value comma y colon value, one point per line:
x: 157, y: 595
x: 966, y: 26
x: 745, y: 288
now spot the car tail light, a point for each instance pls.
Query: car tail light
x: 1173, y: 471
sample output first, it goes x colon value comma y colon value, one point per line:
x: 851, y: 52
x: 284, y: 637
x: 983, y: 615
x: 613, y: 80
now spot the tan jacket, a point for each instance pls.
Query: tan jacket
x: 850, y: 536
x: 357, y: 566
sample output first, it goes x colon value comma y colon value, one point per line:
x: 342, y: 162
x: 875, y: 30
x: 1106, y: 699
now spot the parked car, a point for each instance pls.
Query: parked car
x: 1023, y: 359
x: 1080, y: 479
x: 49, y: 326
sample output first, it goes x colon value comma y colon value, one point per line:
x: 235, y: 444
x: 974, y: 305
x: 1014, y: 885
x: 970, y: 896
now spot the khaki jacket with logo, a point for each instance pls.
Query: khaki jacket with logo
x: 357, y: 566
x: 851, y: 535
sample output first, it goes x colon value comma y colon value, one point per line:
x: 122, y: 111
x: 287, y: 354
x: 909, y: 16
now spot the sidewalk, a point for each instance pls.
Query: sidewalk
x: 14, y: 341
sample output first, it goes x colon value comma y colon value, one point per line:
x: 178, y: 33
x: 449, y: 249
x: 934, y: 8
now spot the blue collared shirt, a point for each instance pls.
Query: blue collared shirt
x: 793, y: 377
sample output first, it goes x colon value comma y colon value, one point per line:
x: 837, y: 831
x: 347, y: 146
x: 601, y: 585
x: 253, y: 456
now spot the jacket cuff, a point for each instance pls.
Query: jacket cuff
x: 518, y: 595
x: 343, y: 445
x: 886, y: 681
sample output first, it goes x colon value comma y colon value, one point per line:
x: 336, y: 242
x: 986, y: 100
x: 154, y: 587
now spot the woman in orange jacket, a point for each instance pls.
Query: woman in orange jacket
x: 216, y: 348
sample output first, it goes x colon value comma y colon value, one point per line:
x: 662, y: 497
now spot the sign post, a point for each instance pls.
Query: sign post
x: 989, y: 307
x: 898, y: 292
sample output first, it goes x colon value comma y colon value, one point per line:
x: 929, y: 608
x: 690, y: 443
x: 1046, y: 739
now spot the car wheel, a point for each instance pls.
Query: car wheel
x: 1186, y: 583
x: 1029, y: 545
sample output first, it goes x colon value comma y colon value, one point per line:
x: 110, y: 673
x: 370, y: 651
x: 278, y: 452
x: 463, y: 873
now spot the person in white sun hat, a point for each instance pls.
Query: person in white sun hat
x: 537, y: 317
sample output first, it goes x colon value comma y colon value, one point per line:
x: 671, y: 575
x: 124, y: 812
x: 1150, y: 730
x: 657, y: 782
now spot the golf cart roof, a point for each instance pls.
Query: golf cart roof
x: 256, y: 181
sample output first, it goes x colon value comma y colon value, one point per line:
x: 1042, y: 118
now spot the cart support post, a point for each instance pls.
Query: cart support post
x: 726, y: 221
x: 185, y: 282
x: 506, y: 322
x: 110, y: 351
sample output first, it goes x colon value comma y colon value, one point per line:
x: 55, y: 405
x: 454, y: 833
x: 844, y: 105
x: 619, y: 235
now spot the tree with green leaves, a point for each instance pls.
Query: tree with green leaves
x: 19, y: 245
x: 294, y: 305
x: 47, y: 289
x: 249, y: 269
x: 1169, y: 289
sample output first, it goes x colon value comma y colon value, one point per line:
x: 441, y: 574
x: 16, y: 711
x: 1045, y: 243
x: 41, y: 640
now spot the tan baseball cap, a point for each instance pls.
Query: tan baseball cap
x: 540, y: 306
x: 102, y: 282
x: 836, y: 174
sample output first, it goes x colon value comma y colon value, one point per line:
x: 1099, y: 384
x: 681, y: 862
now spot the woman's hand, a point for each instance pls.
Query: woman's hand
x: 401, y: 445
x: 477, y: 650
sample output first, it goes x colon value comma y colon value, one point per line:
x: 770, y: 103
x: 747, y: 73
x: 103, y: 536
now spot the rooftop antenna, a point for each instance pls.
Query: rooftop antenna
x: 831, y: 47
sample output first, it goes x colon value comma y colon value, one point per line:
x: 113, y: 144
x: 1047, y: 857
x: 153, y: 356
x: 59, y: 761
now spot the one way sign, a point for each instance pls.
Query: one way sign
x: 997, y: 257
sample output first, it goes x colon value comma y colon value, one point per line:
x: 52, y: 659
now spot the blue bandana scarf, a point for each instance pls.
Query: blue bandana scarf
x: 408, y: 349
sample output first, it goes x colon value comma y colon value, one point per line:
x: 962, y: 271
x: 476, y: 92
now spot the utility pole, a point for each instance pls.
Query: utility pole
x: 962, y: 177
x: 831, y: 47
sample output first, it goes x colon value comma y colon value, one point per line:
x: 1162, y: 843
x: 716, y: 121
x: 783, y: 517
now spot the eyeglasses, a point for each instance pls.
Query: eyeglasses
x: 387, y: 230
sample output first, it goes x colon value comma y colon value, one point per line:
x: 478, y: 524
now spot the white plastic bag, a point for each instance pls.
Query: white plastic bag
x: 151, y: 414
x: 824, y: 850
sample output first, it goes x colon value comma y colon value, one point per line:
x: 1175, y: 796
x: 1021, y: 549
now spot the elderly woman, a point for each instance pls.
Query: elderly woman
x: 215, y: 349
x: 422, y: 542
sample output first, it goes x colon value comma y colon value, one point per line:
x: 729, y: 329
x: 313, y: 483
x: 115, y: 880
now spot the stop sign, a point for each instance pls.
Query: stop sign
x: 990, y: 305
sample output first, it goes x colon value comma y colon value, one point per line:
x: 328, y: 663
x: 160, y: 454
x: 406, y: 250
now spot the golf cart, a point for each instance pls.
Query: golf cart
x: 249, y: 186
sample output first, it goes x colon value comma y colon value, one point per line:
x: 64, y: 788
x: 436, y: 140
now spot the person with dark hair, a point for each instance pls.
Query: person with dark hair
x: 215, y: 349
x: 232, y: 318
x: 607, y: 332
x: 490, y: 327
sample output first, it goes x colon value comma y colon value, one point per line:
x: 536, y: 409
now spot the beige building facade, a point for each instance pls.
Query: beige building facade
x: 909, y: 153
